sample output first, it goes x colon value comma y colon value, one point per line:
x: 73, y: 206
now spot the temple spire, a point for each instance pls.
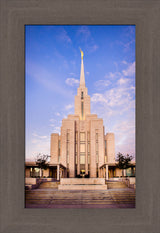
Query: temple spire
x: 82, y: 78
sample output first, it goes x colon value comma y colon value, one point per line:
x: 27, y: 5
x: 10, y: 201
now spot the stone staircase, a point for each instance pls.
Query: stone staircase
x: 116, y: 185
x: 54, y: 198
x: 49, y: 185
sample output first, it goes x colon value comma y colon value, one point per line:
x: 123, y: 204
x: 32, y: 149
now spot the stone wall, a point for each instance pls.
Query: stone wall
x: 110, y: 146
x: 54, y: 148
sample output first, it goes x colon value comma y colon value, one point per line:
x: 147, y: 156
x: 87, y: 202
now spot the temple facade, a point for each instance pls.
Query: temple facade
x: 82, y: 147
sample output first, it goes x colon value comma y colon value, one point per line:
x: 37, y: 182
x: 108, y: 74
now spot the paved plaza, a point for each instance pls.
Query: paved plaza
x: 48, y: 196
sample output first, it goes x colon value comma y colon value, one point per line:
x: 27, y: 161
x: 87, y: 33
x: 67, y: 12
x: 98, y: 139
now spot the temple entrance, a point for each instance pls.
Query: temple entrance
x: 82, y: 173
x: 54, y: 172
x: 50, y: 172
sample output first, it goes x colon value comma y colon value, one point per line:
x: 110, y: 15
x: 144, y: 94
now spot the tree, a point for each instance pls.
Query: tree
x: 42, y: 162
x: 123, y: 162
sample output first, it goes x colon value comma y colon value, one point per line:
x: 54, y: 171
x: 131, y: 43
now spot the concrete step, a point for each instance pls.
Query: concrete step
x: 49, y: 185
x: 82, y: 181
x: 116, y: 185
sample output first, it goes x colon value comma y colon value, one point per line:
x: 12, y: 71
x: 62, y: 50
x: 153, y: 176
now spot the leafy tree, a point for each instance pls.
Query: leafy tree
x: 123, y: 162
x: 42, y: 162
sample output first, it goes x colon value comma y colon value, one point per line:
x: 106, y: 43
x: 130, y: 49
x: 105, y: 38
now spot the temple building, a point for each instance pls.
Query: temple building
x: 82, y: 149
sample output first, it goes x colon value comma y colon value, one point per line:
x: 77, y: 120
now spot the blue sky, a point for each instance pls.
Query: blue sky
x: 52, y: 72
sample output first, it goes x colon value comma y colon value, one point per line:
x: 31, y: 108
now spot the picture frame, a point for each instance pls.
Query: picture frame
x: 14, y: 16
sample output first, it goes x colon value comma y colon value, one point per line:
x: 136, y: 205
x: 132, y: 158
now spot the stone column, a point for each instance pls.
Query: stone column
x: 40, y: 172
x: 65, y: 173
x: 98, y: 173
x: 106, y: 172
x: 57, y: 172
x: 86, y: 154
x: 103, y: 173
x: 78, y: 152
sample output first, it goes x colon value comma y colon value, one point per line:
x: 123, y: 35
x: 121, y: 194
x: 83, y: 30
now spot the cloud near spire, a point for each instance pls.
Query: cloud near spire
x: 72, y: 81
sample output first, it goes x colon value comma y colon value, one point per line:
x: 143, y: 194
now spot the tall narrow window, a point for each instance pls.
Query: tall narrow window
x: 82, y: 137
x: 82, y: 109
x: 82, y: 147
x: 82, y: 95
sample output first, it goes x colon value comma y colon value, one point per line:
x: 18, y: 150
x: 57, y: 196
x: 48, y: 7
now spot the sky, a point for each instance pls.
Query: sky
x: 52, y: 73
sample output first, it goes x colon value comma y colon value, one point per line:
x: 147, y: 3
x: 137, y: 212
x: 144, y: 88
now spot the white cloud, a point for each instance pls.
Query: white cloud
x: 68, y: 107
x: 114, y: 97
x: 130, y: 70
x: 93, y: 48
x: 102, y: 84
x: 97, y: 97
x: 125, y: 136
x: 71, y: 73
x: 87, y: 73
x: 35, y: 141
x: 36, y: 147
x: 85, y: 32
x: 84, y: 35
x: 52, y: 120
x: 128, y: 44
x: 57, y: 114
x: 111, y: 75
x: 38, y: 136
x: 124, y: 62
x: 63, y: 36
x: 56, y: 129
x: 132, y: 88
x: 37, y: 144
x: 72, y: 81
x: 122, y: 81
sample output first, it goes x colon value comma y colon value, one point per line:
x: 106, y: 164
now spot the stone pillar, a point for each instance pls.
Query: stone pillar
x: 78, y: 153
x: 57, y: 172
x: 106, y: 172
x: 40, y: 172
x: 99, y: 173
x: 103, y: 173
x: 124, y: 172
x: 86, y: 155
x: 65, y: 173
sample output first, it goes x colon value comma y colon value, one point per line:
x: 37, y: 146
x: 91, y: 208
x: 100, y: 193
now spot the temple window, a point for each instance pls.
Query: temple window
x: 82, y: 95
